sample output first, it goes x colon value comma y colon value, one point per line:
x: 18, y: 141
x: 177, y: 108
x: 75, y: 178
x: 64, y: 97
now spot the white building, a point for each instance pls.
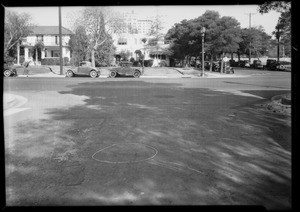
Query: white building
x: 133, y: 43
x: 49, y: 35
x: 137, y: 25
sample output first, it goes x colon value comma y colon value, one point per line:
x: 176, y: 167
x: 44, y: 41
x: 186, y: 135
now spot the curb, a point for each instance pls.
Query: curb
x: 8, y: 101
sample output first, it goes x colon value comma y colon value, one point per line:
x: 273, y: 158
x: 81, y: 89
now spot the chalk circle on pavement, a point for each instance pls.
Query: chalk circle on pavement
x: 125, y: 153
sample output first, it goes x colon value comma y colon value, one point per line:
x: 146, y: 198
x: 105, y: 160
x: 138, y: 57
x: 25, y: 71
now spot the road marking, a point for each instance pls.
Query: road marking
x: 135, y: 161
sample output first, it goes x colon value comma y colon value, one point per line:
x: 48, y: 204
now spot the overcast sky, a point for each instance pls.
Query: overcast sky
x: 48, y: 16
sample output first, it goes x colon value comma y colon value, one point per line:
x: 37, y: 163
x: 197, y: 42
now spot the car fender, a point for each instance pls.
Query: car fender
x: 71, y: 71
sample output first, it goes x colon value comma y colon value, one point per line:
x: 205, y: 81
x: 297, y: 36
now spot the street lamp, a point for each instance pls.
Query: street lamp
x: 202, y: 34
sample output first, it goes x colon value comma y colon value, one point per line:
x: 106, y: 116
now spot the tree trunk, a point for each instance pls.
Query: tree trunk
x: 239, y: 56
x: 18, y: 53
x: 211, y: 63
x: 222, y: 62
x: 36, y: 56
x: 278, y: 49
x: 93, y: 57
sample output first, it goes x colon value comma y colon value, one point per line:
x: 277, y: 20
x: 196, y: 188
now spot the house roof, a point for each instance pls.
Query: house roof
x: 49, y: 30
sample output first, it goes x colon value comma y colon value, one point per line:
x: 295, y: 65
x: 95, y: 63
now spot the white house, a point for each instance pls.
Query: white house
x: 133, y: 43
x: 49, y: 35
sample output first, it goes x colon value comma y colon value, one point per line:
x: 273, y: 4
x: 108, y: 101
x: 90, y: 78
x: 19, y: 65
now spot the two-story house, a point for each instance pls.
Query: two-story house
x: 49, y: 35
x: 133, y: 43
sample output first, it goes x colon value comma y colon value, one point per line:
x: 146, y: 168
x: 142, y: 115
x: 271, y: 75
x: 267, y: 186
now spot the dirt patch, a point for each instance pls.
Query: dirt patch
x: 279, y: 104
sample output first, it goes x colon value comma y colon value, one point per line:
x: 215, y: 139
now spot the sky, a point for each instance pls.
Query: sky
x: 48, y: 16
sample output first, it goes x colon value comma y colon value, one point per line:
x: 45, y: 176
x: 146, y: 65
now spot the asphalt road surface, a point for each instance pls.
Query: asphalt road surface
x: 127, y: 141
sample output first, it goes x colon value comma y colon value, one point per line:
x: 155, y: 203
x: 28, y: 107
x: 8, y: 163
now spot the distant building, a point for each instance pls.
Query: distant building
x: 137, y: 25
x: 49, y: 35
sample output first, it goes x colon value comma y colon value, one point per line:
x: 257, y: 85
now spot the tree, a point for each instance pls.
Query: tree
x: 283, y: 28
x: 156, y: 36
x: 37, y: 50
x: 180, y: 40
x: 79, y: 45
x: 125, y: 55
x: 104, y: 54
x: 222, y: 35
x: 260, y: 41
x: 100, y: 23
x: 17, y: 26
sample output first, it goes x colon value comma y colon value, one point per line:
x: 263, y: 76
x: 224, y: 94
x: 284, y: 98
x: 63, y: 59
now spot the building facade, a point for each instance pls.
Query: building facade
x: 137, y: 25
x: 49, y: 36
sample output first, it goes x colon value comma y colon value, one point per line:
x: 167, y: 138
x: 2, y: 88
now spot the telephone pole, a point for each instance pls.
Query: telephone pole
x: 250, y: 39
x: 60, y: 42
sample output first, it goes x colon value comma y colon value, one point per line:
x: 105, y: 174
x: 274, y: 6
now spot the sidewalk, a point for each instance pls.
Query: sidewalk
x: 197, y: 74
x: 149, y: 72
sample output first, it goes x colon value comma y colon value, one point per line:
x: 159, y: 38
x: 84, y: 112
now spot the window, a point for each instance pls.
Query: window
x: 39, y: 38
x: 55, y: 53
x: 56, y: 40
x: 122, y: 41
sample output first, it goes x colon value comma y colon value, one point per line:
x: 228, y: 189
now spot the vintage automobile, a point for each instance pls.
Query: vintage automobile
x: 257, y: 64
x: 271, y: 65
x: 85, y: 68
x: 247, y: 64
x: 215, y: 66
x: 125, y: 68
x: 9, y: 70
x: 283, y: 66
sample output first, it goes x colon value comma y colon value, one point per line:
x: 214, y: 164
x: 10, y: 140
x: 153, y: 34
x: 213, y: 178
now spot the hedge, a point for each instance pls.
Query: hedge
x: 54, y: 61
x: 148, y: 63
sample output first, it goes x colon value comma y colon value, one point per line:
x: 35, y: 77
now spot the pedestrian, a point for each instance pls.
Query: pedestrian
x: 26, y: 70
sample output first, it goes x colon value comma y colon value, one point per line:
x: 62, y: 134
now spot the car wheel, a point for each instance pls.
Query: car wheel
x: 93, y: 74
x: 7, y: 73
x: 113, y: 74
x: 137, y: 74
x: 70, y: 73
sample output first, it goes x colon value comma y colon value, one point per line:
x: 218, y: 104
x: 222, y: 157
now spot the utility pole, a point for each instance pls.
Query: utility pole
x: 250, y: 39
x: 60, y: 42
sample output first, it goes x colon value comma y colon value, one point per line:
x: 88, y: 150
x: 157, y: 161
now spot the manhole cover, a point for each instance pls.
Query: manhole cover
x: 125, y: 153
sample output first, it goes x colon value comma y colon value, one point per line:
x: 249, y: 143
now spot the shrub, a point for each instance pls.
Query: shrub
x: 136, y: 64
x: 101, y: 64
x: 148, y: 63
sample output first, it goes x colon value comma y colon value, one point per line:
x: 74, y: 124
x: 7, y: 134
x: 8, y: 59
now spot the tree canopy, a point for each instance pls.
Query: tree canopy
x: 282, y: 30
x: 222, y: 35
x: 79, y: 45
x: 17, y: 26
x: 100, y: 23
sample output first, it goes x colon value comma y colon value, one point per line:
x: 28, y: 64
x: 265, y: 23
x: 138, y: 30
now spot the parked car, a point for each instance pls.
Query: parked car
x: 233, y: 63
x: 126, y: 69
x: 241, y: 63
x: 271, y: 65
x: 283, y: 66
x: 9, y: 70
x: 85, y: 68
x: 257, y: 64
x: 247, y: 64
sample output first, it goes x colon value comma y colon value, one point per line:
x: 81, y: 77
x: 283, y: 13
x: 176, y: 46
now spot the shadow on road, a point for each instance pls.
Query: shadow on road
x: 210, y: 150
